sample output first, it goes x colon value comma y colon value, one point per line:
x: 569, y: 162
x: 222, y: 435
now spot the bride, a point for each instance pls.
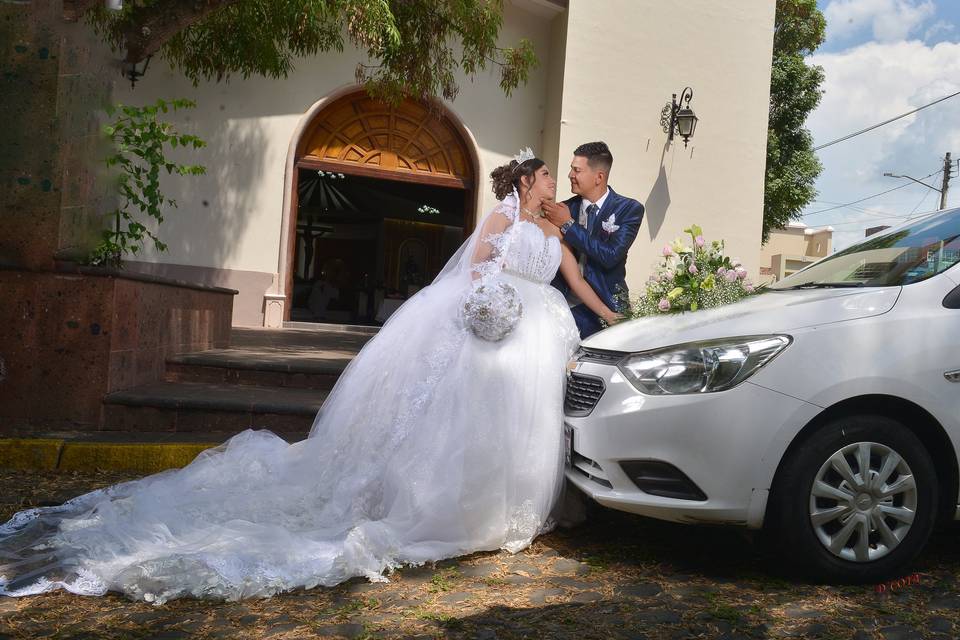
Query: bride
x: 443, y: 437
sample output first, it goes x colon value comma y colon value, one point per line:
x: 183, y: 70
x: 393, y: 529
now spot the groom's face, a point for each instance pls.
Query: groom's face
x: 582, y: 177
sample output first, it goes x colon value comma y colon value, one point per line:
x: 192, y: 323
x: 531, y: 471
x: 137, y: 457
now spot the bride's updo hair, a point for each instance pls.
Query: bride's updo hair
x: 506, y: 178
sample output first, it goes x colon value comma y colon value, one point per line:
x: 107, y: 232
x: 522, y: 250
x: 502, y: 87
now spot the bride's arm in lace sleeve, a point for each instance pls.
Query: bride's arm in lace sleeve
x: 570, y: 271
x: 487, y: 254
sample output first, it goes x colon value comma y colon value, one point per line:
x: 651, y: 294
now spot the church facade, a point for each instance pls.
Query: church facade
x: 322, y: 205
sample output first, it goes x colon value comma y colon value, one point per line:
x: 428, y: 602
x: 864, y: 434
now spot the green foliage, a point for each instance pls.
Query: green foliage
x: 792, y: 166
x: 414, y: 47
x: 139, y: 139
x: 691, y: 277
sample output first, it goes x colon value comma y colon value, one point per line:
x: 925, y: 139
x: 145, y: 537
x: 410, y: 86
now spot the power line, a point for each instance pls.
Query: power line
x: 885, y: 122
x: 922, y: 200
x: 842, y: 206
x: 866, y: 222
x: 877, y: 212
x: 874, y: 212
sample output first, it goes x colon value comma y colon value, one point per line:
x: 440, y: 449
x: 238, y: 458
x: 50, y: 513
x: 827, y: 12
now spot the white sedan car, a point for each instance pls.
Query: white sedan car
x: 826, y: 409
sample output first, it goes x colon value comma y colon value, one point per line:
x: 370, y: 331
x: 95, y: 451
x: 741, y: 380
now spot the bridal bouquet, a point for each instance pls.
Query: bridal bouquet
x: 491, y: 309
x: 690, y: 277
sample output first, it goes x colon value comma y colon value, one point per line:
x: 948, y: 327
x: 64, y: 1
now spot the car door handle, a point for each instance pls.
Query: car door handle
x: 952, y: 376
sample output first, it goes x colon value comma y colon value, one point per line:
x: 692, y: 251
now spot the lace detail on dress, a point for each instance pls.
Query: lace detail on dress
x: 498, y: 242
x: 437, y: 361
x: 18, y: 521
x: 87, y: 583
x: 524, y: 524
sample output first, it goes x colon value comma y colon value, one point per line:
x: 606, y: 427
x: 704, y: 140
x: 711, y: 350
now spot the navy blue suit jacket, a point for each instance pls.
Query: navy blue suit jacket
x: 606, y: 265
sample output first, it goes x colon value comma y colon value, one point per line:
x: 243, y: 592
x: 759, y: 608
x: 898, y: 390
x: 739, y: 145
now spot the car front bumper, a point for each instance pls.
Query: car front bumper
x: 727, y: 443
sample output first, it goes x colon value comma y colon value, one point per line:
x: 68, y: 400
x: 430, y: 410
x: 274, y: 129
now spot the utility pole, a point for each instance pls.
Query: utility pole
x: 947, y: 168
x: 945, y: 185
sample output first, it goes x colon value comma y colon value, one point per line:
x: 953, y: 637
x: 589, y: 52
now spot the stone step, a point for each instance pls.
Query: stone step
x: 235, y: 367
x: 289, y: 358
x: 207, y: 406
x: 369, y: 330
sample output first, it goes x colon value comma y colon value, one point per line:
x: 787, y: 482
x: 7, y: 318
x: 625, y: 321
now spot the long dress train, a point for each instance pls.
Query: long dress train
x: 433, y: 444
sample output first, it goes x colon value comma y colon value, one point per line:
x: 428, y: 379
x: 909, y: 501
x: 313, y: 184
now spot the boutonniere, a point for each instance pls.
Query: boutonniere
x: 608, y: 225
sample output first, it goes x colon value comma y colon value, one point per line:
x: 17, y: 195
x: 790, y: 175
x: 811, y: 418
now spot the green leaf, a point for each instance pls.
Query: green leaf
x: 138, y: 139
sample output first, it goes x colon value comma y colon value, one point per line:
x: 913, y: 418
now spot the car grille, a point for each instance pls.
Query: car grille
x: 583, y: 393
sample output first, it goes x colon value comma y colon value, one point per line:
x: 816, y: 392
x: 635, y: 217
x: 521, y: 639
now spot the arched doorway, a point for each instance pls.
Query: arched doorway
x: 381, y: 197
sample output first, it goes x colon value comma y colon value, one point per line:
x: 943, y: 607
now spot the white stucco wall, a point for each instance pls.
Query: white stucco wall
x: 623, y: 60
x: 606, y: 70
x: 248, y: 125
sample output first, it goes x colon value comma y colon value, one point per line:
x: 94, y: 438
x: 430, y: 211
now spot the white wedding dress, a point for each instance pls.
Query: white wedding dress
x: 434, y: 443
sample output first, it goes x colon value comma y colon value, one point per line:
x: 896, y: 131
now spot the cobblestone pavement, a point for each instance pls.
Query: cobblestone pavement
x: 618, y: 576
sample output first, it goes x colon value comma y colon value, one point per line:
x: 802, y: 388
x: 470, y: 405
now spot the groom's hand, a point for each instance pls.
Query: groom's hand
x: 557, y: 212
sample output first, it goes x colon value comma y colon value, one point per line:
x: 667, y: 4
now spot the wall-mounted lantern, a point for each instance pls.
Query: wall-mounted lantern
x: 133, y: 71
x: 677, y: 118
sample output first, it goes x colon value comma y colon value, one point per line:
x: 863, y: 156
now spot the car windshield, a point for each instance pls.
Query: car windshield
x: 898, y: 257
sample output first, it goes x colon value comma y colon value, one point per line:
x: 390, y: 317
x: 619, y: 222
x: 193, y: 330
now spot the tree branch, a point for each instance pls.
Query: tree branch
x: 150, y: 27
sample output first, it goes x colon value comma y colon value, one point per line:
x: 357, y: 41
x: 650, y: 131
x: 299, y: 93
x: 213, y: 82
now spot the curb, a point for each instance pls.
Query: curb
x: 47, y: 454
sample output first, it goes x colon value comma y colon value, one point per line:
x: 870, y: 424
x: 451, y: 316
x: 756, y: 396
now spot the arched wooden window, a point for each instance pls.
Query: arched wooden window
x: 407, y: 142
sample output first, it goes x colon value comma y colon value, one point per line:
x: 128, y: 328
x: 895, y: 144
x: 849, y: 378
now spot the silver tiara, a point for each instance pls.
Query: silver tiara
x: 524, y: 155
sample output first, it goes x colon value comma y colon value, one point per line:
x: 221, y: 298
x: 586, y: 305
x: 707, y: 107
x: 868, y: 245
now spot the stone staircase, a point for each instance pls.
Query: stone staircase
x: 271, y: 379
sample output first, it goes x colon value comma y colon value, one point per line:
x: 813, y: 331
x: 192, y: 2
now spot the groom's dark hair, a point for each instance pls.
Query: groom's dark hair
x: 597, y: 154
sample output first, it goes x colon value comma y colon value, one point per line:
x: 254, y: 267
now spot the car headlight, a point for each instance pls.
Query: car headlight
x: 701, y: 367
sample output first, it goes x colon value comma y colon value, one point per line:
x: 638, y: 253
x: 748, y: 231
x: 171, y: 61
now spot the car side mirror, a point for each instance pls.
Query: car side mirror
x: 952, y: 299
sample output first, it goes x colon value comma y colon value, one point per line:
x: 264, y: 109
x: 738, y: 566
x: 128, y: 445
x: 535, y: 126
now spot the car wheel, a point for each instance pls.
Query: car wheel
x: 856, y: 502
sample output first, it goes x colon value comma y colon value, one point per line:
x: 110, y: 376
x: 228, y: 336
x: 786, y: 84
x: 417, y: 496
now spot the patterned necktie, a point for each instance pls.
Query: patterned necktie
x: 586, y: 220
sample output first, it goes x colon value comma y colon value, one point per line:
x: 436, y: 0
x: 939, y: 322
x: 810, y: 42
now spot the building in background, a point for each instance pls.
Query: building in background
x: 792, y: 248
x: 415, y: 182
x: 320, y: 204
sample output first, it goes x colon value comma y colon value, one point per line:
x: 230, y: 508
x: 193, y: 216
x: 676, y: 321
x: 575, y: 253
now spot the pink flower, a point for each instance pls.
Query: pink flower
x: 699, y: 241
x: 664, y: 305
x: 721, y: 271
x: 741, y: 272
x: 667, y: 251
x: 693, y: 269
x: 731, y: 276
x: 749, y: 287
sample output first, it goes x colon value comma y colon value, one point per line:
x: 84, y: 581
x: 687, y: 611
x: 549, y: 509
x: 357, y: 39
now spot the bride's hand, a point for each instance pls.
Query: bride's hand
x: 612, y: 318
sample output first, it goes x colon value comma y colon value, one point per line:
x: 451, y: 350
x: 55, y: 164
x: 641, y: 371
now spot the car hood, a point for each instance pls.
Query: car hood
x: 766, y: 313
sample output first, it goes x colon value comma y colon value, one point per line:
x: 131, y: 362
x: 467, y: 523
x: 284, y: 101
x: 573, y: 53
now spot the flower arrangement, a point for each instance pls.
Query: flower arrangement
x: 692, y: 276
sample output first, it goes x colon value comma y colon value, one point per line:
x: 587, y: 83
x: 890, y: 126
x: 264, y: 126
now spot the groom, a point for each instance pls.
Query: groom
x: 599, y: 225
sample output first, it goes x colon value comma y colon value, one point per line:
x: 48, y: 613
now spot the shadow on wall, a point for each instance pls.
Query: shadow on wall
x: 658, y: 200
x: 214, y: 210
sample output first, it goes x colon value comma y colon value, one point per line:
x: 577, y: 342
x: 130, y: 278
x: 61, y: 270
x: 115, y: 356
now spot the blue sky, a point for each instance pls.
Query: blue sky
x: 883, y: 58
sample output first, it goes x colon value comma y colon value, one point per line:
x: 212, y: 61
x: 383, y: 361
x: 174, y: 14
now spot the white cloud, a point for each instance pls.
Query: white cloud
x: 888, y: 20
x: 940, y: 27
x: 864, y: 86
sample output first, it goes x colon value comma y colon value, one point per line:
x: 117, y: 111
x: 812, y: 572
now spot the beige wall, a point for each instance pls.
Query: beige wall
x: 792, y: 248
x: 623, y: 60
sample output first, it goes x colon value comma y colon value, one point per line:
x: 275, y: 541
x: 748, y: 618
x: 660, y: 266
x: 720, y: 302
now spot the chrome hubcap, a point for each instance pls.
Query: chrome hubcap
x: 863, y: 501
